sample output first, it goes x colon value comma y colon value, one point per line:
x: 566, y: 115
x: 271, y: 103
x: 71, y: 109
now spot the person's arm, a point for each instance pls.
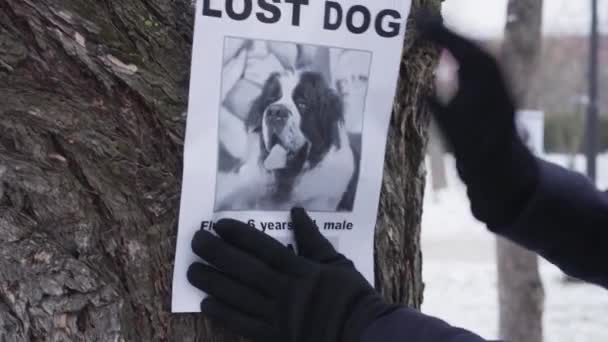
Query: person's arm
x: 566, y: 221
x: 407, y: 325
x: 543, y: 207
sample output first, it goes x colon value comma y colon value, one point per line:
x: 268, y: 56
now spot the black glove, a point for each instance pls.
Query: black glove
x: 479, y: 122
x: 262, y: 290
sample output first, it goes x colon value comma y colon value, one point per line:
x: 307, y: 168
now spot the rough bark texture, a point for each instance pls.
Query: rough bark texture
x: 92, y: 114
x: 520, y: 289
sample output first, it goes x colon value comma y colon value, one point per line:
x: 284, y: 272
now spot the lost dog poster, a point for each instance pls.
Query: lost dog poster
x: 290, y: 102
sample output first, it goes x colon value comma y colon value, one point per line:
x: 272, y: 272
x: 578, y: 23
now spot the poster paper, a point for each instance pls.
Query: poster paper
x: 290, y: 103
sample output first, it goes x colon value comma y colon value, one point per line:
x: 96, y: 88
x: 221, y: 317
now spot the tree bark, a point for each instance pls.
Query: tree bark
x: 92, y: 114
x: 520, y: 289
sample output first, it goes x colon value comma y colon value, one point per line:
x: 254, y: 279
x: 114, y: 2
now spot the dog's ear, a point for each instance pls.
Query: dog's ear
x: 331, y: 114
x: 256, y: 113
x: 323, y: 119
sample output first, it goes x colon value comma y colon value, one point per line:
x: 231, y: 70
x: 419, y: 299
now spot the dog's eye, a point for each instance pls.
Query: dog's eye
x: 302, y: 106
x: 257, y: 129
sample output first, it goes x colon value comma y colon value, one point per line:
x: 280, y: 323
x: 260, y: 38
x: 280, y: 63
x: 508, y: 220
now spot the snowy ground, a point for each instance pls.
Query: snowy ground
x: 460, y: 274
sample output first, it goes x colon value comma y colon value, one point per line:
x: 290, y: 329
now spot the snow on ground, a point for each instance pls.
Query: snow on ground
x: 460, y: 273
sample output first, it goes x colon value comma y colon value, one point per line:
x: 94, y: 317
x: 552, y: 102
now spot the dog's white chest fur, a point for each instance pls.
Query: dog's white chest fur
x: 316, y: 189
x: 323, y: 186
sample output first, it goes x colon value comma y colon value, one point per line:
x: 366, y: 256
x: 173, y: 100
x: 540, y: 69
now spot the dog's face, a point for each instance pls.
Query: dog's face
x: 300, y: 112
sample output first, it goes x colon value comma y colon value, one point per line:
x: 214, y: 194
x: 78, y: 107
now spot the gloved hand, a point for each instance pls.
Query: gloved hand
x: 262, y: 290
x: 479, y: 122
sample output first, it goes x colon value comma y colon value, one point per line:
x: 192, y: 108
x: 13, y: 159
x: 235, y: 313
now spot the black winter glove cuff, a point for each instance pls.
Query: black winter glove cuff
x: 500, y: 186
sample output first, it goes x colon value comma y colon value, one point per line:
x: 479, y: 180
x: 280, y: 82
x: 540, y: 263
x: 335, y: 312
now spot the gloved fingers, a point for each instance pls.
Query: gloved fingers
x: 234, y: 262
x: 256, y: 243
x: 427, y: 21
x: 478, y: 71
x: 220, y: 286
x: 465, y: 51
x: 481, y: 98
x: 237, y: 321
x: 311, y: 243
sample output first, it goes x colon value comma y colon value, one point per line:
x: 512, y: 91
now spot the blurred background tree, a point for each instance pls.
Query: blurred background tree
x: 520, y: 289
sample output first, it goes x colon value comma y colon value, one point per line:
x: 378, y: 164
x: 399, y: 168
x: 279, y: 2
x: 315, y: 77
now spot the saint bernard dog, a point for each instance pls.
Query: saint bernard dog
x: 299, y: 152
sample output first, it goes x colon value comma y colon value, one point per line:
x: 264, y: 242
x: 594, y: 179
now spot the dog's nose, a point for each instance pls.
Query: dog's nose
x: 277, y: 114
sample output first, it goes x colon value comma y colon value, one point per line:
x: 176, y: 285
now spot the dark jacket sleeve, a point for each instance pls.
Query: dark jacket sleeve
x: 565, y: 221
x: 408, y: 325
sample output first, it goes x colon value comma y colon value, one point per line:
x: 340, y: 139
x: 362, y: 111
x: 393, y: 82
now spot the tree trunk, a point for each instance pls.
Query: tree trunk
x: 436, y: 153
x: 521, y: 294
x: 92, y: 100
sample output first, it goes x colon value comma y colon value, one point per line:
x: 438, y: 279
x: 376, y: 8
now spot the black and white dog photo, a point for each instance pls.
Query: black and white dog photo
x: 299, y: 152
